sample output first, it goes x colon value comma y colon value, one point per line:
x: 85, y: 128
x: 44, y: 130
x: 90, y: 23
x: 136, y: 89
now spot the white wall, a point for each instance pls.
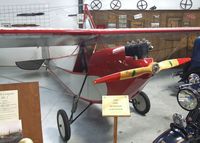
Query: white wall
x: 58, y: 10
x: 58, y: 17
x: 160, y: 4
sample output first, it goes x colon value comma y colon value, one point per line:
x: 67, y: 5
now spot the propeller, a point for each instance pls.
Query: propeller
x: 151, y: 69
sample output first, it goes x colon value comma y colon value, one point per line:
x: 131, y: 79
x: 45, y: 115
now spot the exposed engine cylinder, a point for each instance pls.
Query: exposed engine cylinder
x: 139, y: 49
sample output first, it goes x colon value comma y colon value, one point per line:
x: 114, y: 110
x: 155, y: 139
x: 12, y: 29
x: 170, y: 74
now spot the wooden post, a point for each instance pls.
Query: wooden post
x: 115, y: 129
x: 115, y: 106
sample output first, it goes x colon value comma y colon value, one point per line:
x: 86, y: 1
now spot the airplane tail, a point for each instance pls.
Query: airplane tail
x: 88, y: 21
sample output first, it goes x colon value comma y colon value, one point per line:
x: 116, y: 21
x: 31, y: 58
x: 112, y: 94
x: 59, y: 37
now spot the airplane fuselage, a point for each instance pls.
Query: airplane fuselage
x: 100, y: 63
x: 111, y: 60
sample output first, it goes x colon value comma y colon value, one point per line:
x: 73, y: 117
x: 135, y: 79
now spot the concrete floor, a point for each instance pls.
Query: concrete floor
x: 91, y: 126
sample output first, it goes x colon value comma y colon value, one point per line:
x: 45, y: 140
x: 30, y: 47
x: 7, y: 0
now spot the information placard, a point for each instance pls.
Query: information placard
x: 115, y: 105
x: 27, y: 96
x: 9, y: 109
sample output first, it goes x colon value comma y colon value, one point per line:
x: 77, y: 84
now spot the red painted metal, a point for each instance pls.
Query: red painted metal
x: 183, y: 60
x: 105, y: 62
x: 97, y: 32
x: 108, y: 78
x: 87, y: 13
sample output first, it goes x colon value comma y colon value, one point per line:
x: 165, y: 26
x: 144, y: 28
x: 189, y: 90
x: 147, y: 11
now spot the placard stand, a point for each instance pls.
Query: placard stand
x: 115, y: 129
x: 115, y: 106
x: 29, y: 108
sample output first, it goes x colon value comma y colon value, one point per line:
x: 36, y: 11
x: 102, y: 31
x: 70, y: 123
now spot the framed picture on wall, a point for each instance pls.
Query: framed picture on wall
x: 174, y: 22
x: 122, y: 21
x: 112, y: 25
x: 137, y: 24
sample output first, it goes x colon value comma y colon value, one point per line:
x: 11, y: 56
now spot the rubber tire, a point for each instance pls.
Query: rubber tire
x: 146, y: 100
x: 61, y: 113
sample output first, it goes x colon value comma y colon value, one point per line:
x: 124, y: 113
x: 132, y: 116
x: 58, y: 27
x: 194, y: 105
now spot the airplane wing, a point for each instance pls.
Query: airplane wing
x: 30, y: 37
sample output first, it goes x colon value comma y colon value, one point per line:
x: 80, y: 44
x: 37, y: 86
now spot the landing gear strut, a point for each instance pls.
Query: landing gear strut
x: 141, y: 103
x: 63, y: 121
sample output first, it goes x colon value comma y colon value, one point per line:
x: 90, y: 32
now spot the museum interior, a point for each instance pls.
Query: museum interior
x: 100, y: 71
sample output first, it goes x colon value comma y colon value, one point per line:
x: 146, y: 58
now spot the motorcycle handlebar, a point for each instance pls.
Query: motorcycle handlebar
x: 182, y: 130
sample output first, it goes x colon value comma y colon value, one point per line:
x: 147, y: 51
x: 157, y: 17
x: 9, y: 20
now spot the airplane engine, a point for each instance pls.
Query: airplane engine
x: 138, y: 49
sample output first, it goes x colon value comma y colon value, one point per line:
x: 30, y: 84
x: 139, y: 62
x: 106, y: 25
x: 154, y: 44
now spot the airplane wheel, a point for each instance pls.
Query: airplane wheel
x: 63, y: 125
x: 141, y: 103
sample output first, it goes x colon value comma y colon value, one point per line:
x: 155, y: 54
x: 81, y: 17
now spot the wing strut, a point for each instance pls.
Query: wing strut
x: 77, y: 97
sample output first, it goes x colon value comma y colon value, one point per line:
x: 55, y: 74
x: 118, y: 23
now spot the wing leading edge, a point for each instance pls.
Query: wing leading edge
x: 30, y: 37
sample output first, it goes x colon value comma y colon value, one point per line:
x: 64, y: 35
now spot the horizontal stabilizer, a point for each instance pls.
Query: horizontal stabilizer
x: 30, y: 65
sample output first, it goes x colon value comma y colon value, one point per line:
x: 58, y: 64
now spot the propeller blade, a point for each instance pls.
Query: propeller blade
x: 172, y: 63
x: 124, y: 74
x: 152, y: 69
x: 30, y: 65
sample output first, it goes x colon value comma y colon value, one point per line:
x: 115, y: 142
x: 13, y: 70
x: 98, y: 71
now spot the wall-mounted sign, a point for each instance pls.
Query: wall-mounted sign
x: 112, y: 25
x: 155, y: 24
x: 190, y: 16
x: 137, y: 24
x: 138, y: 16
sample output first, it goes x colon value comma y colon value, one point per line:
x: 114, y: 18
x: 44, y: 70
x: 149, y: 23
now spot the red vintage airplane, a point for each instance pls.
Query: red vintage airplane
x: 90, y: 62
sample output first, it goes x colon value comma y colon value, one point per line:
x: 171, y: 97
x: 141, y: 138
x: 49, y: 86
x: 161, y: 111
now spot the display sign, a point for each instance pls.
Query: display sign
x: 155, y: 24
x: 9, y: 109
x: 21, y: 101
x: 117, y: 105
x: 10, y: 125
x: 137, y: 16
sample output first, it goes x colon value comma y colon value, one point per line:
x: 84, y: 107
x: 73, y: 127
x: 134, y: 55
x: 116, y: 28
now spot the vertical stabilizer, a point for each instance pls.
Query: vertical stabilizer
x: 88, y: 21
